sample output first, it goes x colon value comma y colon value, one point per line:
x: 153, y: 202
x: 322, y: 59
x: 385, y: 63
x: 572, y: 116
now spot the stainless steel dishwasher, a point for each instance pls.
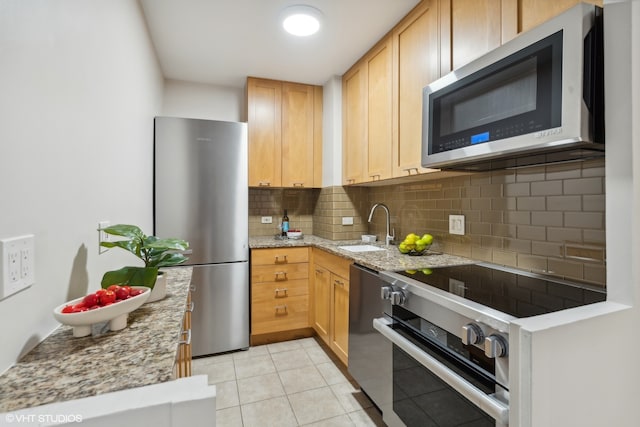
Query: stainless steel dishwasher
x: 370, y: 353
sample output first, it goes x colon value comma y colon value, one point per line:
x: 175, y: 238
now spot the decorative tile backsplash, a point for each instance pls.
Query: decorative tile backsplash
x: 543, y: 219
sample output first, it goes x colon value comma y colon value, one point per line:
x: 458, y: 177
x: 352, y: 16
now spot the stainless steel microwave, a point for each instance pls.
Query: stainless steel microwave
x: 537, y: 99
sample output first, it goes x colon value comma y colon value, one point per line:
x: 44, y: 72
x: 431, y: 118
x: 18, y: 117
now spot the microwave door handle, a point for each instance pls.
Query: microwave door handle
x: 494, y: 407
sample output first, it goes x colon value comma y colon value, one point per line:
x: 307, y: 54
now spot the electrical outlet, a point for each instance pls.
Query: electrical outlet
x: 102, y: 236
x: 266, y: 220
x: 456, y: 224
x: 17, y: 269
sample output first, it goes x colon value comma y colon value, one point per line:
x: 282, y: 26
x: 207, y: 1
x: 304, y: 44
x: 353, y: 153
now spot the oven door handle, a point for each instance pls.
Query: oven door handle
x: 492, y: 406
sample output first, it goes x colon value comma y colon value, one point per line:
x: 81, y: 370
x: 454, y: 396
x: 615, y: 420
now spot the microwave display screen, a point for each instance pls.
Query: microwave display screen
x: 515, y: 96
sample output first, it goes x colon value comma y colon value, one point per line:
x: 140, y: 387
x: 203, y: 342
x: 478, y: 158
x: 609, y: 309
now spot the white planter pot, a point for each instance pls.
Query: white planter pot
x: 159, y: 290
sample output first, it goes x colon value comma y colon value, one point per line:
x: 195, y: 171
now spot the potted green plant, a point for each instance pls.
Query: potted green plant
x: 154, y: 253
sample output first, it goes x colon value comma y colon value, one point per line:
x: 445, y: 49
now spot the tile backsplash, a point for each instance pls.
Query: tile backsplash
x: 543, y: 219
x: 273, y: 201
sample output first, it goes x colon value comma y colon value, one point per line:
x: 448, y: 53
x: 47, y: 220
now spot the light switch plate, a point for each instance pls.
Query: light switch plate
x: 456, y: 224
x: 347, y: 220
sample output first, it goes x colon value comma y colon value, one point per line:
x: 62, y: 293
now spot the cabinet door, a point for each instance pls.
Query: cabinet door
x: 264, y: 102
x: 379, y: 112
x: 473, y: 28
x: 322, y: 302
x: 354, y: 130
x: 340, y: 303
x: 534, y: 12
x: 416, y: 64
x: 297, y: 135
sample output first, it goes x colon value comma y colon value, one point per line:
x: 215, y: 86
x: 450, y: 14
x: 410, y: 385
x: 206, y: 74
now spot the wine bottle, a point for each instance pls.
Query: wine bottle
x: 285, y: 223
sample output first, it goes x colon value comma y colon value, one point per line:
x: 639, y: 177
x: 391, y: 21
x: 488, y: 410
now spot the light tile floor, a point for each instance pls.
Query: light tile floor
x: 292, y: 383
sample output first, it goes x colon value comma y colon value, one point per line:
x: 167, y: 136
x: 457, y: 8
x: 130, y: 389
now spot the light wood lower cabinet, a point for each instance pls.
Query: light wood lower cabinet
x: 279, y: 290
x: 182, y: 367
x: 321, y: 301
x: 331, y: 301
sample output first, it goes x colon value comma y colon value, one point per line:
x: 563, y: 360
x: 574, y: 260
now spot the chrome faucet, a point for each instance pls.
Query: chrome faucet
x: 389, y: 237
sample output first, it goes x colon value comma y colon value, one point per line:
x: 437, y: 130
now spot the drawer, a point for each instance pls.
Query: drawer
x: 334, y: 263
x: 276, y: 316
x: 279, y: 273
x: 279, y: 256
x: 279, y: 291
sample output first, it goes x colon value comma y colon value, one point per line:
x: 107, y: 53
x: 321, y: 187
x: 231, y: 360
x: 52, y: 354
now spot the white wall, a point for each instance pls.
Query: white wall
x: 201, y: 101
x: 332, y: 132
x: 79, y: 87
x: 580, y: 368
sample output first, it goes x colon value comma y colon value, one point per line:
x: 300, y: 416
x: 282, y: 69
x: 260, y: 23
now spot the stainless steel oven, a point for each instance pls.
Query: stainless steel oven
x: 446, y: 333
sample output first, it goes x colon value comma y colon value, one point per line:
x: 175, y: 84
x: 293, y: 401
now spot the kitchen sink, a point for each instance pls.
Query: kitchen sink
x: 361, y: 248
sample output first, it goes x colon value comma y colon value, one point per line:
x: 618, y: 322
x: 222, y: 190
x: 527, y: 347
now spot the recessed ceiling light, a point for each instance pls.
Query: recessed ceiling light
x: 301, y: 20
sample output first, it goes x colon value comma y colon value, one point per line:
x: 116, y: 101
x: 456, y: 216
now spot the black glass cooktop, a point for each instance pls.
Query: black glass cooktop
x: 508, y: 291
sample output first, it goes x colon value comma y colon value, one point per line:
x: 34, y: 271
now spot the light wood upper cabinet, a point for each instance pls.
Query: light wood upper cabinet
x: 436, y: 37
x: 367, y: 95
x: 531, y: 13
x: 264, y: 124
x: 470, y: 28
x: 285, y: 134
x: 416, y: 64
x: 379, y: 112
x: 354, y: 135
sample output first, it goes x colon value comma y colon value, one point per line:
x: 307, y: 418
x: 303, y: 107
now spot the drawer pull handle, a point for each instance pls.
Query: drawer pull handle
x: 298, y: 184
x: 281, y: 261
x: 373, y: 177
x: 188, y: 340
x: 191, y: 307
x: 264, y: 184
x: 283, y: 290
x: 319, y: 271
x: 282, y: 307
x: 338, y: 282
x: 281, y: 273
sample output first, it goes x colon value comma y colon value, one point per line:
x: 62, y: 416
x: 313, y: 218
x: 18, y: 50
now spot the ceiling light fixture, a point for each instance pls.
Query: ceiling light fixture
x: 301, y: 20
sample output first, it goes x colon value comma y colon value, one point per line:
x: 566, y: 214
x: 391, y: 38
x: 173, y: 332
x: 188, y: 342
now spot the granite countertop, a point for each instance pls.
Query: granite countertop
x: 389, y: 259
x: 63, y: 368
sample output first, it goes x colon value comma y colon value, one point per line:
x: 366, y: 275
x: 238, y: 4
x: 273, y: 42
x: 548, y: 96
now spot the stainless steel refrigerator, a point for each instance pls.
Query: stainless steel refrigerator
x: 201, y: 195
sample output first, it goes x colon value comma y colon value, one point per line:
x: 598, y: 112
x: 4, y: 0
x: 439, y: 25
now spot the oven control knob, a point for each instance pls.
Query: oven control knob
x: 397, y: 297
x: 496, y: 346
x: 472, y: 334
x: 385, y: 292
